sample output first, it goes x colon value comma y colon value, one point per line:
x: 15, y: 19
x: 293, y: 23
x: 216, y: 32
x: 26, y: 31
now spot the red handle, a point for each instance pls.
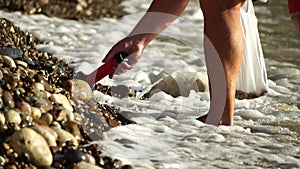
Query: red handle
x: 108, y: 68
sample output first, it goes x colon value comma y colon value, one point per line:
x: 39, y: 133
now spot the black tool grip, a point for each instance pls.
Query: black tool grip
x: 120, y: 57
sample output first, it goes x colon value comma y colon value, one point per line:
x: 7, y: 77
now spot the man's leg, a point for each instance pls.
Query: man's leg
x: 223, y: 33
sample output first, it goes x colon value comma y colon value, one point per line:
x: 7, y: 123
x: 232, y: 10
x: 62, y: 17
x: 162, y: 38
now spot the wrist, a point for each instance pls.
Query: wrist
x: 142, y: 39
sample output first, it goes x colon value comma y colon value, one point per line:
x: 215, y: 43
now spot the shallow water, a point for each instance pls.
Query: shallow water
x: 267, y: 129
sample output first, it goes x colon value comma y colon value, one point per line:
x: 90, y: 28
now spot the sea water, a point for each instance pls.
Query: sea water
x: 266, y: 130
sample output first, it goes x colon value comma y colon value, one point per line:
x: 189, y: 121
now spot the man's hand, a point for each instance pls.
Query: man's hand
x: 130, y: 45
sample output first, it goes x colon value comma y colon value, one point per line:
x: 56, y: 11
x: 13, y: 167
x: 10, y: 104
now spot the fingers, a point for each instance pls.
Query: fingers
x: 123, y: 67
x: 134, y: 49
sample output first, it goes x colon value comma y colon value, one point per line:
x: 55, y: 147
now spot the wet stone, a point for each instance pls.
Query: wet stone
x: 2, y: 119
x: 73, y: 128
x: 47, y: 118
x: 36, y: 112
x: 127, y: 167
x: 64, y: 136
x: 12, y: 116
x: 2, y: 161
x: 24, y: 107
x: 63, y: 100
x: 79, y: 89
x: 75, y: 156
x: 28, y: 141
x: 33, y: 95
x: 42, y: 103
x: 48, y: 133
x: 8, y: 99
x: 8, y: 61
x: 85, y: 165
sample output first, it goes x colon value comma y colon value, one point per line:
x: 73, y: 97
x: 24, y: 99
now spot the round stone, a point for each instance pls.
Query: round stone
x: 28, y: 141
x: 36, y: 113
x: 74, y: 156
x: 63, y: 100
x: 8, y: 99
x: 80, y: 89
x: 64, y: 136
x: 24, y: 107
x: 2, y: 119
x: 48, y: 133
x: 47, y: 117
x: 9, y: 61
x: 13, y: 116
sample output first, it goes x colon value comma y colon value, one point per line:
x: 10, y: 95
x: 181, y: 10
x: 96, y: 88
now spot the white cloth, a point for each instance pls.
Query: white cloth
x: 252, y: 77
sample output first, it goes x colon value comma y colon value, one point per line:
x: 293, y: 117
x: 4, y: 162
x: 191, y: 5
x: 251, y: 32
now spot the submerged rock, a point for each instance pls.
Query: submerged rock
x: 79, y: 89
x: 181, y: 84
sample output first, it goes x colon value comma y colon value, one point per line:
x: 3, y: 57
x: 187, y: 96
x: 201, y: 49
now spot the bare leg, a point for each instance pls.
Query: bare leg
x: 223, y: 31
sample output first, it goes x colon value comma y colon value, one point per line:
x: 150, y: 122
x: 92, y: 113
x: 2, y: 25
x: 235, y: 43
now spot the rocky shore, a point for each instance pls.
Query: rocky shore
x: 68, y: 9
x: 48, y: 119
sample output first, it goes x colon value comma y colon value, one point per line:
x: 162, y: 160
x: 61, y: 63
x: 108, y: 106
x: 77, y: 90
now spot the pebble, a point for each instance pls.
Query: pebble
x: 127, y: 167
x: 72, y: 127
x: 64, y: 136
x: 48, y: 133
x: 182, y: 84
x: 47, y: 117
x: 2, y: 161
x: 74, y: 156
x: 36, y: 112
x: 32, y: 95
x: 44, y: 104
x: 28, y: 141
x: 21, y: 63
x: 80, y: 89
x: 8, y: 99
x: 24, y: 107
x: 9, y: 62
x: 85, y: 165
x: 12, y: 116
x: 2, y: 119
x: 63, y: 100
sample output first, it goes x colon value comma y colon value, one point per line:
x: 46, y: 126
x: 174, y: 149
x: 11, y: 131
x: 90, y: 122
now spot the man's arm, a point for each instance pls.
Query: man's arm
x: 159, y: 16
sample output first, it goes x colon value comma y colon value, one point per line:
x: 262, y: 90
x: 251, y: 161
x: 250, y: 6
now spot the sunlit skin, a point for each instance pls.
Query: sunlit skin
x: 294, y: 9
x: 223, y: 30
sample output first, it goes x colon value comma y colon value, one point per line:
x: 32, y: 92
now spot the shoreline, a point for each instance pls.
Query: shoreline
x: 43, y: 123
x: 67, y: 9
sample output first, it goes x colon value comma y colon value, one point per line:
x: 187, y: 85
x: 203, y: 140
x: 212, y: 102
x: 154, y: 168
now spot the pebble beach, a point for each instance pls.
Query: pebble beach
x: 51, y: 119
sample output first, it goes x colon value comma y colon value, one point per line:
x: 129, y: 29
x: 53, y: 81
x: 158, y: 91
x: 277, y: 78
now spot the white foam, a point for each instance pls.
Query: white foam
x: 166, y: 135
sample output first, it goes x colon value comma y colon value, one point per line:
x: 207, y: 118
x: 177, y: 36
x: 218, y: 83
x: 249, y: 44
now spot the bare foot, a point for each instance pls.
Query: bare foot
x: 203, y: 119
